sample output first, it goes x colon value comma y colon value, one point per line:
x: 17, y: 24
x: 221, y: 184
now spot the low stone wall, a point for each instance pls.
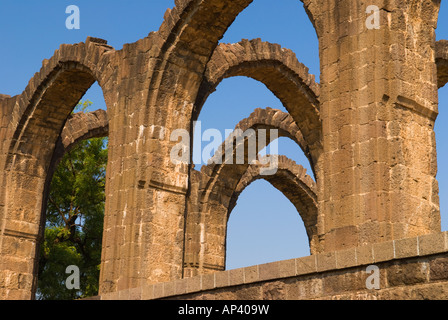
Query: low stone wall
x: 413, y: 268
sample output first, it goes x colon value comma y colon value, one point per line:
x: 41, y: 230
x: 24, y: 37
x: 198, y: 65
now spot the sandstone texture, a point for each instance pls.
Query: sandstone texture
x: 367, y: 130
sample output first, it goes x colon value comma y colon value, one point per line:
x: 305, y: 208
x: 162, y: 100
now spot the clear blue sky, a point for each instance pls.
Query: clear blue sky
x: 264, y: 226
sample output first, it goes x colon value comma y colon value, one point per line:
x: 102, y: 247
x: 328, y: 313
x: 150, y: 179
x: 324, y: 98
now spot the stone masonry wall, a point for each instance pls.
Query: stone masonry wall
x: 409, y: 269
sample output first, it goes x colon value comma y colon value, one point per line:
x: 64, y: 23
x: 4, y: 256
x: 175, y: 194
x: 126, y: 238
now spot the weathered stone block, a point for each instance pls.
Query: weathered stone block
x: 269, y: 271
x: 236, y: 276
x: 222, y: 279
x: 273, y: 291
x: 407, y: 273
x: 406, y: 248
x: 432, y: 243
x: 306, y: 265
x: 193, y: 284
x: 438, y: 269
x: 364, y: 254
x: 326, y: 261
x: 346, y: 258
x: 287, y: 268
x: 251, y: 274
x: 383, y: 251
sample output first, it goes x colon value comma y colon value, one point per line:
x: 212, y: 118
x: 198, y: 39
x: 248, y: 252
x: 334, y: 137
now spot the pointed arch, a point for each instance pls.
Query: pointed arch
x: 293, y: 181
x: 254, y: 58
x: 260, y: 119
x: 55, y: 90
x: 82, y: 126
x: 193, y: 26
x: 37, y: 118
x: 192, y: 29
x: 213, y: 191
x: 280, y: 71
x: 207, y: 228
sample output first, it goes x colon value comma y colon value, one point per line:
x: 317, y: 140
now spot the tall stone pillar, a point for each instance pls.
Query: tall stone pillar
x: 146, y: 197
x: 378, y: 107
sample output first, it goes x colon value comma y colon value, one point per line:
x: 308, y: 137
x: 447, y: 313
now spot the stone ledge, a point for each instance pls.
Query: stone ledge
x: 421, y: 246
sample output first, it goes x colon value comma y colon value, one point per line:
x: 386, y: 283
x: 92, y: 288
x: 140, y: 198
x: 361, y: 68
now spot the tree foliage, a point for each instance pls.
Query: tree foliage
x: 74, y: 221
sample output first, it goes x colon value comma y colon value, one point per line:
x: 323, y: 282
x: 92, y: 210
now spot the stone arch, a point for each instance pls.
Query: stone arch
x: 213, y: 190
x: 266, y: 118
x: 207, y: 229
x: 191, y: 29
x: 251, y: 58
x: 260, y: 119
x: 55, y: 90
x: 197, y: 20
x: 79, y: 127
x: 442, y: 62
x: 293, y: 181
x: 280, y: 71
x: 82, y: 126
x: 36, y: 121
x: 183, y: 46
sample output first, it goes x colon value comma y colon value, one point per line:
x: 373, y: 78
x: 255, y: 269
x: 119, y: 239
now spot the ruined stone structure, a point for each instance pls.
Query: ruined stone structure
x: 367, y: 129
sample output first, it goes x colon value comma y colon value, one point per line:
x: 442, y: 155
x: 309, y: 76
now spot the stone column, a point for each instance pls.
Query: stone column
x: 146, y: 193
x: 378, y: 107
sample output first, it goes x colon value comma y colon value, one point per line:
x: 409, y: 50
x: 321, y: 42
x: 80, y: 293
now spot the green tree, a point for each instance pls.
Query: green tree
x: 74, y: 221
